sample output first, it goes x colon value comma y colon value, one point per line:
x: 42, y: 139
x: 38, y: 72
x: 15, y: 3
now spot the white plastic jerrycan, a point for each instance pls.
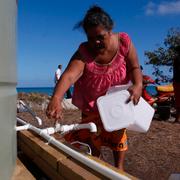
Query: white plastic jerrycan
x: 116, y: 113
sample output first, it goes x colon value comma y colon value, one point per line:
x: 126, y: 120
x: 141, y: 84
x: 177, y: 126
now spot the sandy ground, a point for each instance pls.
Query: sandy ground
x: 154, y: 155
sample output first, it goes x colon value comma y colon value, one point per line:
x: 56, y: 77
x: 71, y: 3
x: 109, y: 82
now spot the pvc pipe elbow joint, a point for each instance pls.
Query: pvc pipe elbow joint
x: 93, y: 127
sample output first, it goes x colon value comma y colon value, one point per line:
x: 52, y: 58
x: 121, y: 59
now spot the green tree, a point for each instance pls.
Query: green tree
x: 164, y: 56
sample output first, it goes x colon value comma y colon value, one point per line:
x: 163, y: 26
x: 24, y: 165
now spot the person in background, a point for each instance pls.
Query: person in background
x: 106, y: 59
x: 176, y: 83
x: 57, y: 77
x: 58, y: 73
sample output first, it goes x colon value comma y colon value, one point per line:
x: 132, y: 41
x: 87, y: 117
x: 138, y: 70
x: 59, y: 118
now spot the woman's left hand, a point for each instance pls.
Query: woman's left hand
x: 135, y: 93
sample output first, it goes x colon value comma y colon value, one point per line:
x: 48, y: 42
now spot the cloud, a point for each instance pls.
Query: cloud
x: 164, y: 8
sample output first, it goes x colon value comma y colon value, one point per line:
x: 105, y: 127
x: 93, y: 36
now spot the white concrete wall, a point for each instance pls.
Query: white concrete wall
x: 8, y: 93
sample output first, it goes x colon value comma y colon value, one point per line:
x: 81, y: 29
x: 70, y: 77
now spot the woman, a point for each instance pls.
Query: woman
x: 106, y: 59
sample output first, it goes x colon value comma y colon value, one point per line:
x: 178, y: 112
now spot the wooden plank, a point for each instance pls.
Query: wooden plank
x: 55, y: 162
x: 21, y: 172
x: 100, y: 162
x: 49, y: 154
x: 112, y: 167
x: 72, y: 169
x: 66, y: 167
x: 41, y: 163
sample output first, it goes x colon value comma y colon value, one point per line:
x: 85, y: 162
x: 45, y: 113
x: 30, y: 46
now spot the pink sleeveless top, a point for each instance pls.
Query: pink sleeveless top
x: 98, y: 78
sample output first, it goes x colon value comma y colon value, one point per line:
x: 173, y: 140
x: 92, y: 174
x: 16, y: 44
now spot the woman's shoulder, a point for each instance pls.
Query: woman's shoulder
x: 83, y: 50
x: 124, y: 37
x: 79, y: 52
x: 125, y: 42
x: 82, y: 45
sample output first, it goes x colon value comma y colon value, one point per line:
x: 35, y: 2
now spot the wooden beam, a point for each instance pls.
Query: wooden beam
x: 40, y: 147
x: 55, y: 163
x: 40, y: 163
x: 50, y: 160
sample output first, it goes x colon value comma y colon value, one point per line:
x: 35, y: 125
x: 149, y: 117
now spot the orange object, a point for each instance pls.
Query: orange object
x: 165, y: 88
x: 116, y: 140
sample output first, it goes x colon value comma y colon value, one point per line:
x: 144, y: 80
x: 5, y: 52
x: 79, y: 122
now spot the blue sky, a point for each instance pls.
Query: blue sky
x: 45, y: 35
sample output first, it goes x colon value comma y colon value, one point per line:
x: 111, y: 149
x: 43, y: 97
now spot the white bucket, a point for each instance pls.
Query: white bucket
x: 116, y: 113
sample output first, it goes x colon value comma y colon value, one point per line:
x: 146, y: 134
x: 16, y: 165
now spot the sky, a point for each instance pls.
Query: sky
x: 46, y: 38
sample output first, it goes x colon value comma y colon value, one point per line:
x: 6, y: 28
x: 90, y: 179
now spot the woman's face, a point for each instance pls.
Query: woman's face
x: 98, y: 38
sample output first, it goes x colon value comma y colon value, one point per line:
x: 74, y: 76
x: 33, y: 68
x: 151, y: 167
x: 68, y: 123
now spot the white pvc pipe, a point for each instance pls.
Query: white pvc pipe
x: 62, y: 128
x: 84, y: 144
x: 24, y: 127
x: 38, y: 120
x: 27, y: 126
x: 25, y: 108
x: 66, y: 128
x: 78, y: 156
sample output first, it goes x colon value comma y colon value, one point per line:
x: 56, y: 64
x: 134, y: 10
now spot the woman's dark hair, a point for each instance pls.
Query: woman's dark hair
x: 95, y: 16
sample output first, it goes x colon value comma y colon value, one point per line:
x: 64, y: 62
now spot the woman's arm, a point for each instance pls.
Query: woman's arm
x: 133, y: 68
x: 71, y: 74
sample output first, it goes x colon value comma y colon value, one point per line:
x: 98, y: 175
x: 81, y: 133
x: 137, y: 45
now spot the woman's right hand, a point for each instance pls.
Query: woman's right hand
x: 54, y: 109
